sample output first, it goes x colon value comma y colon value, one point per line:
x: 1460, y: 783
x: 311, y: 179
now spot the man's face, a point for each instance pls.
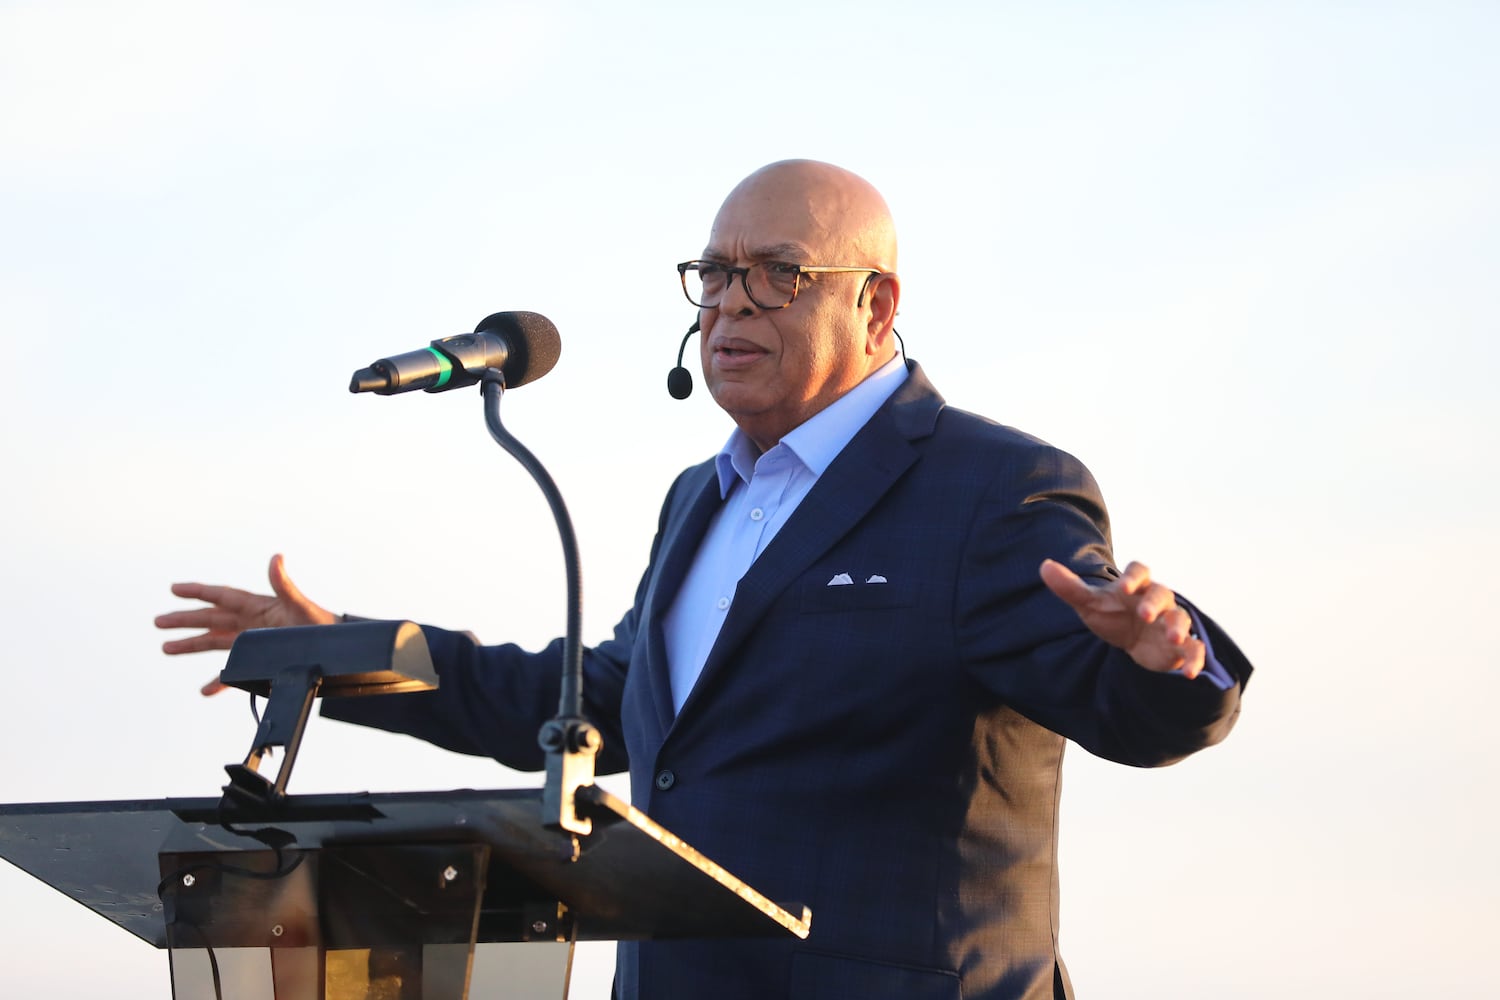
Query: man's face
x: 772, y: 369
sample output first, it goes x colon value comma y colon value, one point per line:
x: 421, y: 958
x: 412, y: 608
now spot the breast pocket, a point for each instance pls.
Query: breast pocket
x: 844, y: 591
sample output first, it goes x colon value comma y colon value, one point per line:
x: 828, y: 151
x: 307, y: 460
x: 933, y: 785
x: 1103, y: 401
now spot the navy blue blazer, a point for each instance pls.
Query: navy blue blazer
x: 887, y: 752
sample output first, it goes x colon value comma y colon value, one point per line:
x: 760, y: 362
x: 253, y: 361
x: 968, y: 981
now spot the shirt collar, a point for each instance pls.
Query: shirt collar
x: 817, y: 441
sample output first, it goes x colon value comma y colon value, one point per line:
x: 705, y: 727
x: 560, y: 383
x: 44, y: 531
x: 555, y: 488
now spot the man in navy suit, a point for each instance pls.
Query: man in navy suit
x: 866, y: 630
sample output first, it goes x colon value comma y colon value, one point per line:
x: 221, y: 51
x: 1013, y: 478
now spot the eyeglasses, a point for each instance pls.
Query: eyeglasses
x: 771, y: 284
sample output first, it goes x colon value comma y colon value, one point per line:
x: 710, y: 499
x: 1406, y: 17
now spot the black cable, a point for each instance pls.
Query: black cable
x: 213, y: 960
x: 167, y: 888
x: 265, y: 752
x: 227, y: 869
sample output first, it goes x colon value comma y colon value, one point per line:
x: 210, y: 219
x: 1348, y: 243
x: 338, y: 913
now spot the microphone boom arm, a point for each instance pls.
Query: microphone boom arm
x: 570, y: 741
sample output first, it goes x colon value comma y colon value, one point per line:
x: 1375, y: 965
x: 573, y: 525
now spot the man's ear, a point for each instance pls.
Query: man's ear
x: 884, y: 296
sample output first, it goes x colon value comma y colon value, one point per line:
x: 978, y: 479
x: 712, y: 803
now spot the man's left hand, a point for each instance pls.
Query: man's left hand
x: 1137, y: 615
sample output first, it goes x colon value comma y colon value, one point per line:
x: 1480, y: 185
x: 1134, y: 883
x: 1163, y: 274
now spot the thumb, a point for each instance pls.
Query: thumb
x: 282, y: 585
x: 301, y: 610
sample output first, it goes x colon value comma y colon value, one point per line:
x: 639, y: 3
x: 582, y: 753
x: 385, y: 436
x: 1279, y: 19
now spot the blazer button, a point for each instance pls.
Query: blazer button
x: 665, y: 779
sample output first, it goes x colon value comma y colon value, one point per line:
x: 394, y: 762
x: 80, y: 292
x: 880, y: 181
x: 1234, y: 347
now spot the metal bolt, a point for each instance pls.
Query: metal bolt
x: 188, y: 880
x: 539, y: 926
x: 450, y: 873
x: 277, y: 931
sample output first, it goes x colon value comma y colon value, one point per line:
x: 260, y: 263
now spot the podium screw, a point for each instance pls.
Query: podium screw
x: 188, y: 880
x: 277, y: 931
x: 450, y: 873
x: 539, y: 926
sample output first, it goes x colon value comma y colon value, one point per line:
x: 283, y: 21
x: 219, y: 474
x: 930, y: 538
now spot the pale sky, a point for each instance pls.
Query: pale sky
x: 1239, y: 258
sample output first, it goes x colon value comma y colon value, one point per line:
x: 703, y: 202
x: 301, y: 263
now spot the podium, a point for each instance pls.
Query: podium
x: 379, y: 896
x: 263, y: 895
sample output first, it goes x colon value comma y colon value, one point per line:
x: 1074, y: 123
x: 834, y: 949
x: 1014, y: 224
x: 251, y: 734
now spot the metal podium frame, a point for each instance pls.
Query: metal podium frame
x: 397, y: 875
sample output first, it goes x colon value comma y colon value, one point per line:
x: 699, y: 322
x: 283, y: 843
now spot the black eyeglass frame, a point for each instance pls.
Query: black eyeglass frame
x: 797, y: 270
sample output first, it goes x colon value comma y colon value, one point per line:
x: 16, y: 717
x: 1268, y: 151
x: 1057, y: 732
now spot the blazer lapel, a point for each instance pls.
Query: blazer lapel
x: 686, y: 525
x: 863, y: 472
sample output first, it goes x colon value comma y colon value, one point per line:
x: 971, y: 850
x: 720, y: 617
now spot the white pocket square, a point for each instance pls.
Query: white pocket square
x: 842, y: 580
x: 877, y: 578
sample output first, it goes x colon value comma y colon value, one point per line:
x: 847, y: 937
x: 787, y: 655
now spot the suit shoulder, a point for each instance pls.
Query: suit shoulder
x: 918, y: 410
x: 980, y: 436
x: 976, y: 447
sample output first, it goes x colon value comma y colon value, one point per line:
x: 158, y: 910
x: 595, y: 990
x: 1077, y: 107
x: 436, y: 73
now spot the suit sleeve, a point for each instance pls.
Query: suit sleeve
x: 1025, y: 646
x: 491, y: 701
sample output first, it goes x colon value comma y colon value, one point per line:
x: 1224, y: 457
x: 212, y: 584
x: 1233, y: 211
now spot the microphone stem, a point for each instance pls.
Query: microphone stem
x: 570, y: 702
x: 570, y: 742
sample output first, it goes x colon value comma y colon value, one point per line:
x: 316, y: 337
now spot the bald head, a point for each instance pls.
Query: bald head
x: 838, y: 215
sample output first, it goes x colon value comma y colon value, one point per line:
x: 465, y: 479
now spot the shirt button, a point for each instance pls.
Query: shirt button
x: 757, y: 514
x: 665, y: 779
x: 723, y: 603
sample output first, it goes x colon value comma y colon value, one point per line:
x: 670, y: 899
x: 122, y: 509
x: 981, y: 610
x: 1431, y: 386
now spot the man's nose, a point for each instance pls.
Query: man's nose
x: 737, y: 301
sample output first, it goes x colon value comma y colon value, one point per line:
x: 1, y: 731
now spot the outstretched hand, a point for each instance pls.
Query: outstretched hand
x: 1133, y: 613
x: 230, y: 611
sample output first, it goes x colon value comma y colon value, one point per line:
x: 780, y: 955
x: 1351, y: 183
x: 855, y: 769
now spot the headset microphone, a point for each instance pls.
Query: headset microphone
x: 679, y: 379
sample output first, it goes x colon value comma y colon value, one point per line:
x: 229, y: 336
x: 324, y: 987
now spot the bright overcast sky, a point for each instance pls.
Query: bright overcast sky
x: 1239, y: 258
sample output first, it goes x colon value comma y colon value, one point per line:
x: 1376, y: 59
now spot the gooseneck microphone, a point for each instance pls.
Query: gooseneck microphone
x: 679, y: 379
x: 522, y: 345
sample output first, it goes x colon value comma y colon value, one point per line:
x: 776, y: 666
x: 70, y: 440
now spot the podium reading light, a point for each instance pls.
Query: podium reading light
x: 293, y: 666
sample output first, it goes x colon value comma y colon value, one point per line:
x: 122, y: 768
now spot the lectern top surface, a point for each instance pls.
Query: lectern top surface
x: 630, y: 879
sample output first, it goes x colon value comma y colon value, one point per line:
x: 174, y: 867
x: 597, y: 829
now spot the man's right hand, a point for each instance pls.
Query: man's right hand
x: 230, y: 611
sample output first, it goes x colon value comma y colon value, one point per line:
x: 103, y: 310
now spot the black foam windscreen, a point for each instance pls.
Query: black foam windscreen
x: 533, y: 341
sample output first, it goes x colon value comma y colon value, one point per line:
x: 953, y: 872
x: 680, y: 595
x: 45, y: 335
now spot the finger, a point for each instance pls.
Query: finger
x: 198, y: 643
x: 1066, y: 584
x: 1153, y: 602
x: 212, y: 688
x: 189, y: 618
x: 1164, y: 658
x: 1177, y: 623
x: 229, y: 597
x: 210, y: 619
x: 1136, y: 576
x: 1193, y: 657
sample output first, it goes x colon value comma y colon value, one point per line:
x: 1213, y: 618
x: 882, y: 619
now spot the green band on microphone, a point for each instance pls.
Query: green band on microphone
x: 445, y: 364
